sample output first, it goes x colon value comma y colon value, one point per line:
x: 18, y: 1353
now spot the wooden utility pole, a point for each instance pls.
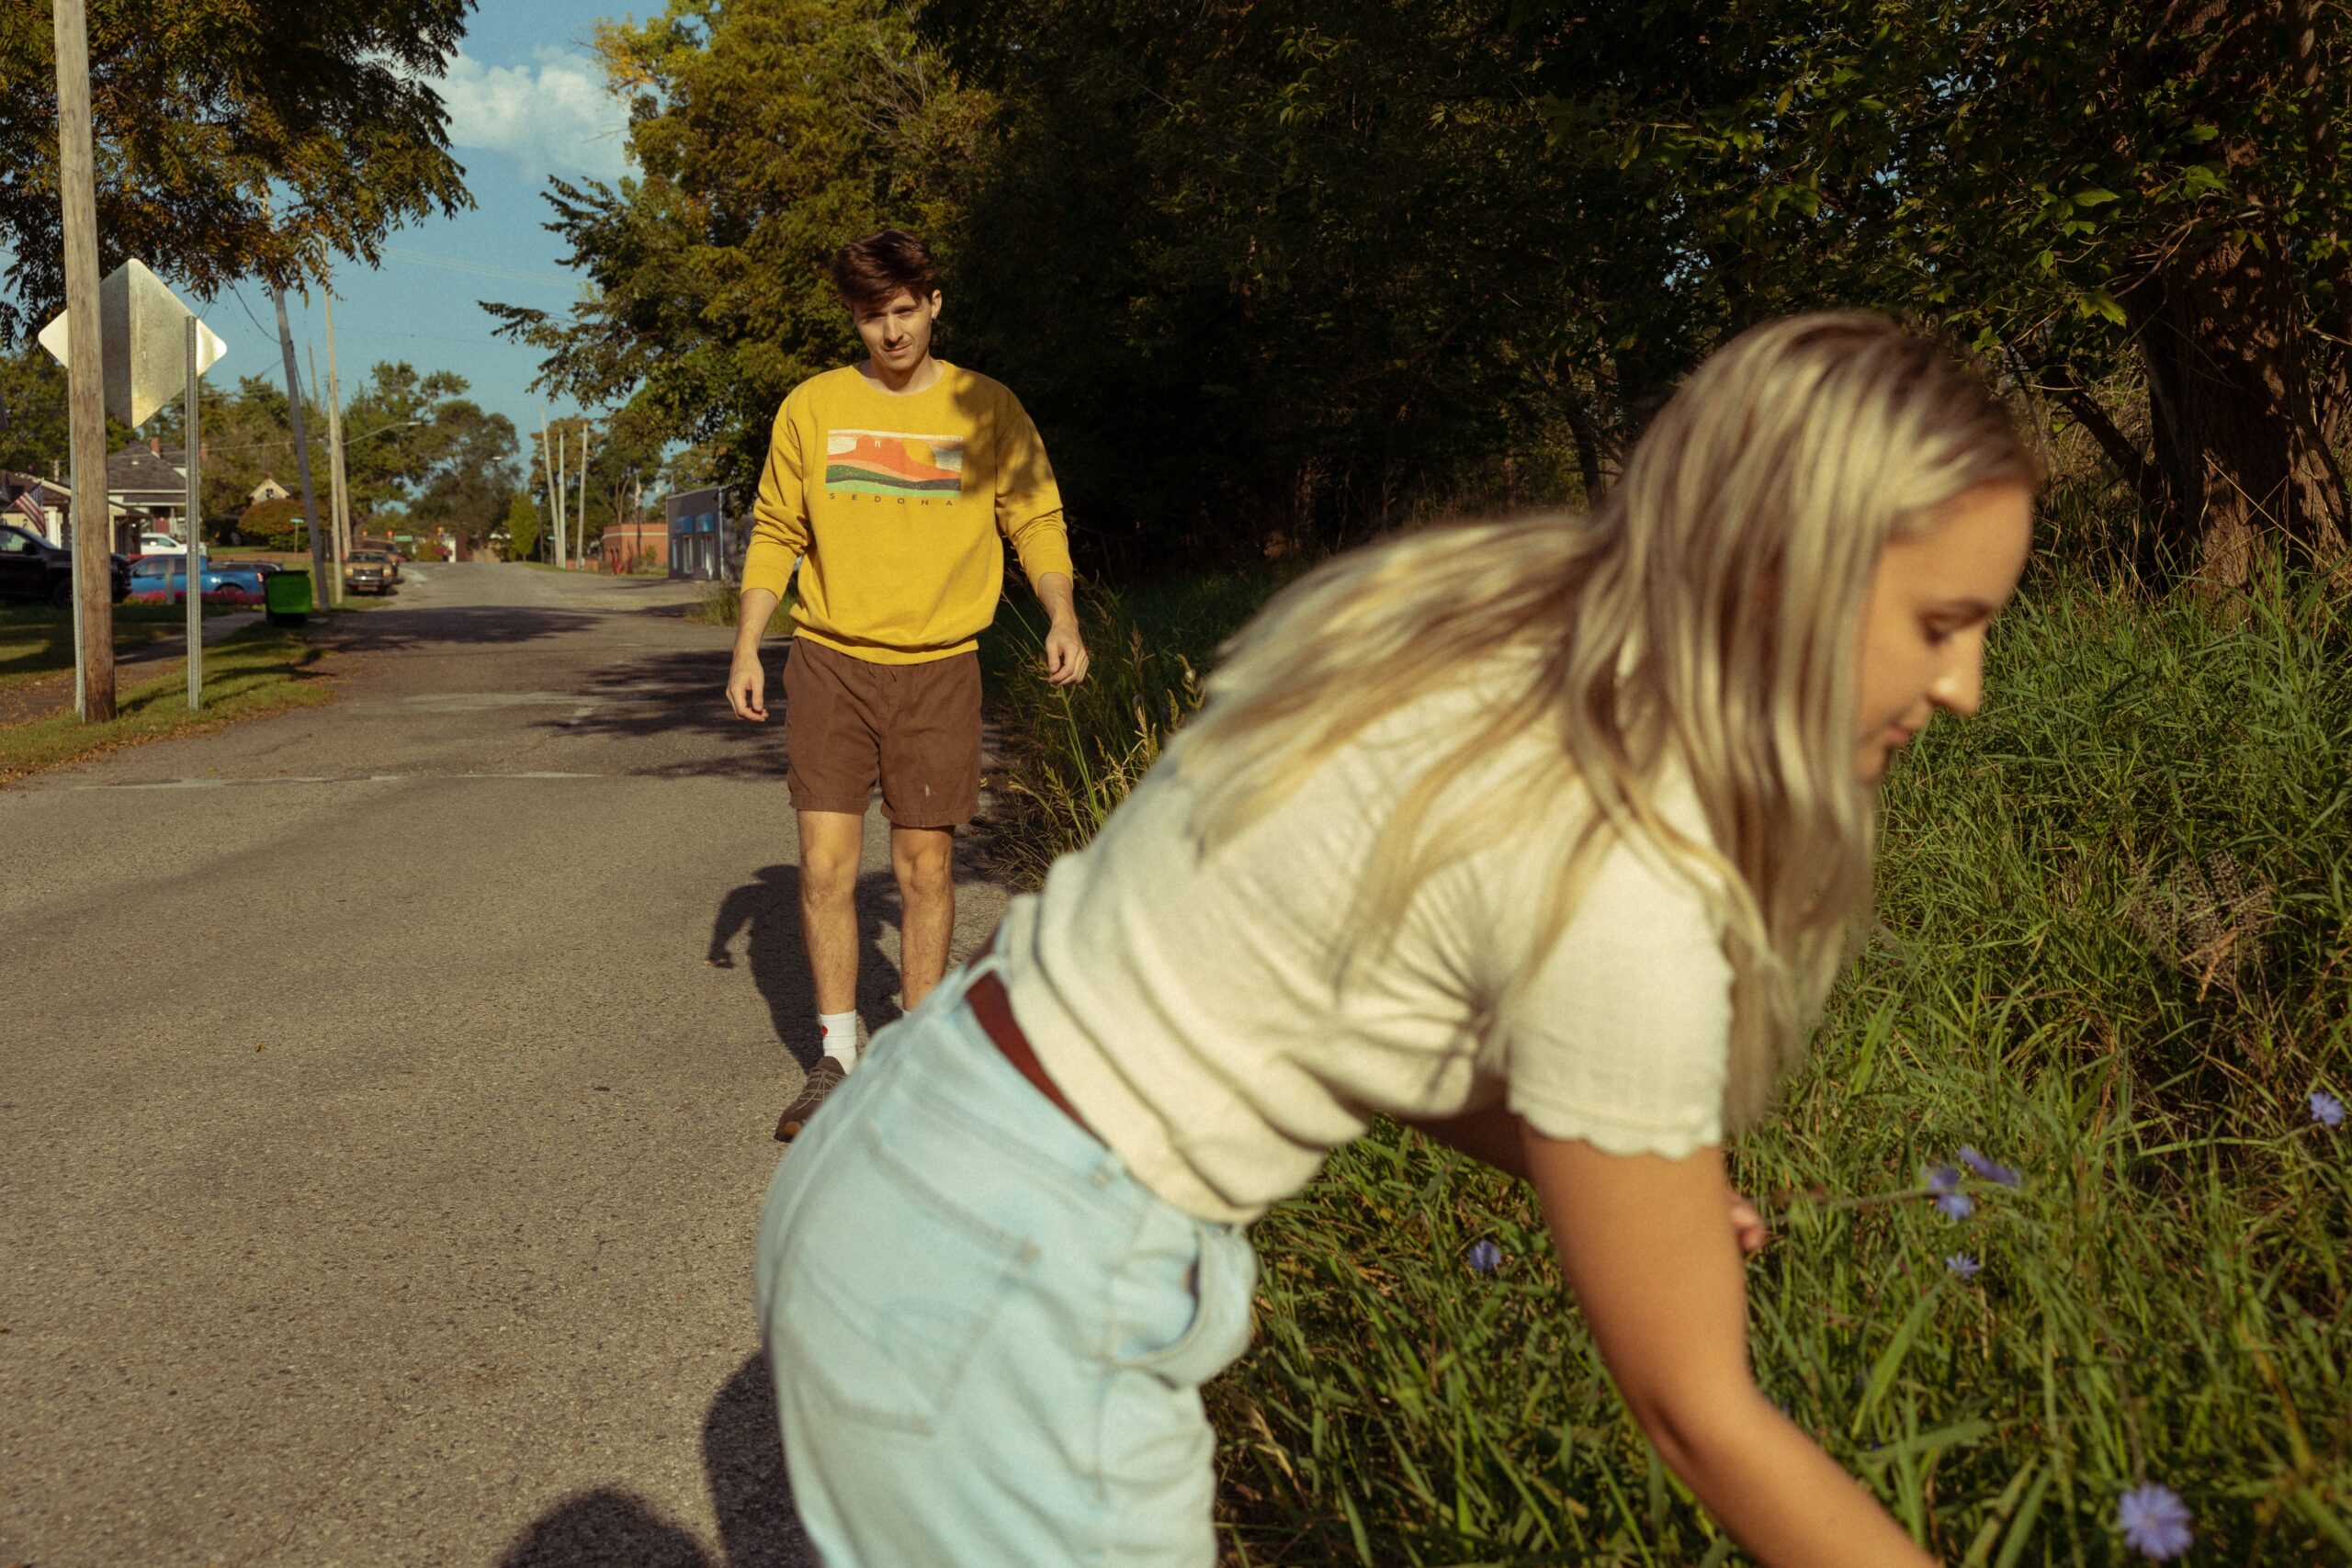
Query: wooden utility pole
x: 340, y: 476
x: 334, y: 469
x: 582, y: 523
x: 547, y: 468
x: 562, y: 516
x: 93, y: 516
x: 303, y: 454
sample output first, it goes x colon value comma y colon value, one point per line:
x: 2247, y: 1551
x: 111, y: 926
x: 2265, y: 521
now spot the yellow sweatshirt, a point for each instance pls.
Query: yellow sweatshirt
x: 897, y: 502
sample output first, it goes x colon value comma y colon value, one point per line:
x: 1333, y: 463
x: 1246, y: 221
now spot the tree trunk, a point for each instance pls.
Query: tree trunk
x: 1587, y: 442
x: 2236, y: 421
x: 2147, y: 479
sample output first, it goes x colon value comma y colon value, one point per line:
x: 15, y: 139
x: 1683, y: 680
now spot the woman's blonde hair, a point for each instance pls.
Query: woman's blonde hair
x: 1703, y: 618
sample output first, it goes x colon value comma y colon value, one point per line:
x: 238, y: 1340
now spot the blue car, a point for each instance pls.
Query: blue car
x: 167, y: 576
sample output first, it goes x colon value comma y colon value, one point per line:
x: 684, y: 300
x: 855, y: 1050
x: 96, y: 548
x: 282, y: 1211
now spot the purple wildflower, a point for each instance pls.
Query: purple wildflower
x: 1990, y: 1170
x: 1955, y: 1206
x: 1485, y: 1257
x: 2326, y: 1109
x: 1939, y: 1179
x: 1967, y: 1268
x: 2154, y: 1522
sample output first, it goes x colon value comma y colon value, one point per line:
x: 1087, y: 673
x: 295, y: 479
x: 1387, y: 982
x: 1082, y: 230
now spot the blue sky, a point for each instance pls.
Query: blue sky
x: 525, y: 101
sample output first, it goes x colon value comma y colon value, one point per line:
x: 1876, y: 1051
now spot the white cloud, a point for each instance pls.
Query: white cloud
x: 552, y: 117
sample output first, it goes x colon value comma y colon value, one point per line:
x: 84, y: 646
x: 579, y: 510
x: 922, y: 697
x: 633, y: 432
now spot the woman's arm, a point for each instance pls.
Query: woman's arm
x: 1655, y: 1263
x: 1497, y: 1137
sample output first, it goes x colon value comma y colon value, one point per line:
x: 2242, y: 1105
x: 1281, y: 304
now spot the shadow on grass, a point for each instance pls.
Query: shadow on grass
x: 36, y: 640
x: 248, y: 674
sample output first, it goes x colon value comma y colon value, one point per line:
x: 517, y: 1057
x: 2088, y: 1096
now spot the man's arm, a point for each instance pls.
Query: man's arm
x: 747, y: 679
x: 1065, y: 658
x: 1029, y: 515
x: 779, y: 538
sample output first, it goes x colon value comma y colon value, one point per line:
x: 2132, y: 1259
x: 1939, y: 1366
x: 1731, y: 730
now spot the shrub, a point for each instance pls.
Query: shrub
x: 279, y: 524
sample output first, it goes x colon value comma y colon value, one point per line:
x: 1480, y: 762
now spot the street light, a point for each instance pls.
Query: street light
x: 399, y: 425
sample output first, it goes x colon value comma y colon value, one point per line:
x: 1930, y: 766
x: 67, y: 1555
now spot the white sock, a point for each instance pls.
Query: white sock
x: 839, y: 1032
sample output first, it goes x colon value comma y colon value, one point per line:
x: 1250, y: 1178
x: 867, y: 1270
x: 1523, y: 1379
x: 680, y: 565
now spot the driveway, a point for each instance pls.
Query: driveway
x: 386, y: 1091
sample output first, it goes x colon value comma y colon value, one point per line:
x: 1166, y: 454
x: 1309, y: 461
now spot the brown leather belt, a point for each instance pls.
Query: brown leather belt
x: 987, y: 998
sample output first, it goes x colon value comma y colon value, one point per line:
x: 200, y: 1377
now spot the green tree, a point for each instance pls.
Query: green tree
x: 2071, y: 186
x: 768, y: 132
x: 1289, y: 272
x: 233, y: 139
x: 414, y: 446
x: 247, y: 438
x: 521, y: 528
x: 32, y: 412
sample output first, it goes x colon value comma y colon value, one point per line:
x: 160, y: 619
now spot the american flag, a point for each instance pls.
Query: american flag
x: 31, y: 508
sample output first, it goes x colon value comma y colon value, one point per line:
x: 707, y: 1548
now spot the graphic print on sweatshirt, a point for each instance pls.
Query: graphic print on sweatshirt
x: 890, y: 462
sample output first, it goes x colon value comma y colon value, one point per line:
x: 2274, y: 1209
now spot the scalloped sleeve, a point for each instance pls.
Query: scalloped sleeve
x: 1622, y: 1036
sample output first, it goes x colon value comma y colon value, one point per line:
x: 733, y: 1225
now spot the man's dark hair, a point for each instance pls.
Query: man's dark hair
x: 869, y: 271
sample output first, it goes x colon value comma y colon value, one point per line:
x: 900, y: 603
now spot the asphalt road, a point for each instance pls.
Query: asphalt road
x: 386, y: 1093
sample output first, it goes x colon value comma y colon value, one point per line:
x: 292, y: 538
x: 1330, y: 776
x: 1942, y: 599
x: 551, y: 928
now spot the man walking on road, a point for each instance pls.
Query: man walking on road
x: 888, y: 483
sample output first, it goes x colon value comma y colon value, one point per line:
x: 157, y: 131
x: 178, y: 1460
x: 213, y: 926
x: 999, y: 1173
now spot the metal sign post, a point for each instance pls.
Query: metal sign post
x: 149, y: 346
x: 74, y: 542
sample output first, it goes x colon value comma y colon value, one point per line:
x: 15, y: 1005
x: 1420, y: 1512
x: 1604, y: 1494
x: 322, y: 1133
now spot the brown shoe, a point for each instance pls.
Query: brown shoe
x: 823, y: 1078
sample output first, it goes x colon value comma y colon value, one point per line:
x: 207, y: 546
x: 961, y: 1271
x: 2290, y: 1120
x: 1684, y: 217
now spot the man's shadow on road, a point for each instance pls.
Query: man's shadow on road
x: 743, y: 1458
x: 767, y: 911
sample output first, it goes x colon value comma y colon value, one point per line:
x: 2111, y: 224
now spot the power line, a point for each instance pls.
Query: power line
x: 484, y: 269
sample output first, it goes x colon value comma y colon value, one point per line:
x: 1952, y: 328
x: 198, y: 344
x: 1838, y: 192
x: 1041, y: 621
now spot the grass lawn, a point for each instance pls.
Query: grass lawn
x: 253, y: 672
x: 36, y: 640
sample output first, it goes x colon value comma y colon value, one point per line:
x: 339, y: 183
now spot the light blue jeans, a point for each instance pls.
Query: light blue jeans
x: 989, y: 1338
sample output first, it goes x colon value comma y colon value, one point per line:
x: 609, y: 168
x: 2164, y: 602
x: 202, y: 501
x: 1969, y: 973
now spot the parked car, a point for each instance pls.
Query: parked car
x: 33, y: 569
x: 167, y: 576
x: 368, y: 571
x: 391, y: 553
x: 161, y: 545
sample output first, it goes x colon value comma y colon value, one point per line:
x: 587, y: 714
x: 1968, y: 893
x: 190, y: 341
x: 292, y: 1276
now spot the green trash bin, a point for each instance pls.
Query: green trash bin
x: 287, y: 597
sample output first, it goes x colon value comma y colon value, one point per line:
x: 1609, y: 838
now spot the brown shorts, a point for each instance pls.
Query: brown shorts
x: 916, y: 727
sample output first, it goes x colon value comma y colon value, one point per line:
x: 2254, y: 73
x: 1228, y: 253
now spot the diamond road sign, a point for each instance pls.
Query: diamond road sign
x: 143, y: 339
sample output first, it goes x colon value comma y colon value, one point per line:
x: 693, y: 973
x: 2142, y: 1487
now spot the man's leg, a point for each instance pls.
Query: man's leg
x: 830, y: 845
x: 924, y: 861
x: 930, y: 782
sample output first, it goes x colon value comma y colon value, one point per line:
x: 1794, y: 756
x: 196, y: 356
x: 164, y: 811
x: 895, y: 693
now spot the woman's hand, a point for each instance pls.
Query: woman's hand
x: 1746, y: 1222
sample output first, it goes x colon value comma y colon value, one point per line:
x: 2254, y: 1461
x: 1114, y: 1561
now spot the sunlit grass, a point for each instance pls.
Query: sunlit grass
x: 247, y: 675
x: 2114, y: 949
x: 36, y: 640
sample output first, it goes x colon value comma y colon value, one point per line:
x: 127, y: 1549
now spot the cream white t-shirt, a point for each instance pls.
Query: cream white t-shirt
x: 1185, y: 1000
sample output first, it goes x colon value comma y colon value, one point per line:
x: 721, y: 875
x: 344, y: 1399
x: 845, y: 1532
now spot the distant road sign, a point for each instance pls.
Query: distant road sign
x: 144, y: 338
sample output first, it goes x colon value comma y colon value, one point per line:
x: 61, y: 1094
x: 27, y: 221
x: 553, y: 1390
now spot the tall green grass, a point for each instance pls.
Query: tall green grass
x: 2113, y: 948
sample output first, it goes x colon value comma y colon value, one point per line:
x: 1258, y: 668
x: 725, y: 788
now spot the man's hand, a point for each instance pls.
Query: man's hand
x: 1065, y: 658
x: 747, y: 686
x: 747, y: 682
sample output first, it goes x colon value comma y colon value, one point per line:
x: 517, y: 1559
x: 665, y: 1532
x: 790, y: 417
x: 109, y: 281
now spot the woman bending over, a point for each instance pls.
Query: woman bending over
x: 1544, y: 836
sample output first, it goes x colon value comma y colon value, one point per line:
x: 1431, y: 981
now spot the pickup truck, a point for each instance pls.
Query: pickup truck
x: 33, y: 569
x: 368, y: 571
